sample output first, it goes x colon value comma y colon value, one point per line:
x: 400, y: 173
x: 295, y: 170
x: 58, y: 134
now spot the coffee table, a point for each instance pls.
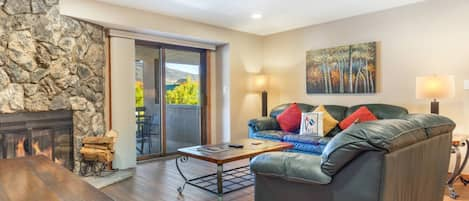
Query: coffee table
x: 226, y: 181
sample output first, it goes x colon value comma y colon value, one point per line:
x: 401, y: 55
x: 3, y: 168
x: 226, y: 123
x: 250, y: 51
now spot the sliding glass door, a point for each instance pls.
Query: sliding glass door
x: 183, y: 98
x: 170, y: 88
x: 148, y: 103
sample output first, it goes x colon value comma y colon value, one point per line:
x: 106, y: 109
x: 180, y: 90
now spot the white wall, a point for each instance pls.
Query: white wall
x: 422, y: 39
x: 123, y: 87
x: 244, y: 54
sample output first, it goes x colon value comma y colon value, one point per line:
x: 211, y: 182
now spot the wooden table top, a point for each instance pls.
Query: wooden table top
x: 39, y: 179
x: 233, y: 154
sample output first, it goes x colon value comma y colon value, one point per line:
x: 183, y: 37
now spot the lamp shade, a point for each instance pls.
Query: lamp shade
x: 466, y: 84
x: 435, y: 87
x: 259, y: 83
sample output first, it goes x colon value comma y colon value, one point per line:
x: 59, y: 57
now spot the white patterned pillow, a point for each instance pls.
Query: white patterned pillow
x: 312, y: 123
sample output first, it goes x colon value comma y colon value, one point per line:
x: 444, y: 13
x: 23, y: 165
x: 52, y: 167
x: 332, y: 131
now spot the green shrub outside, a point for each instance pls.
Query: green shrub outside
x: 139, y: 101
x: 187, y: 93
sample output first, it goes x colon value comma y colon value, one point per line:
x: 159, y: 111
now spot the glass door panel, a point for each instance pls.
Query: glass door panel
x: 148, y: 101
x: 183, y: 98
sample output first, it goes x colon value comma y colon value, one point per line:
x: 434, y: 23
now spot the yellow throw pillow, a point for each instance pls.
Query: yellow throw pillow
x: 329, y: 122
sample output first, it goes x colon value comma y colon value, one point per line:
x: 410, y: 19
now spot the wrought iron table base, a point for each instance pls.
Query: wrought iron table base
x: 219, y: 183
x: 458, y: 168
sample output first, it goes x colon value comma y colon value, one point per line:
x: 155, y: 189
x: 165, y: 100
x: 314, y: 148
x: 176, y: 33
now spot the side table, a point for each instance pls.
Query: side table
x: 458, y: 167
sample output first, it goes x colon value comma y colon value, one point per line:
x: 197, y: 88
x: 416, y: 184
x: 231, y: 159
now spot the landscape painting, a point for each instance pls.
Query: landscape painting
x: 349, y: 69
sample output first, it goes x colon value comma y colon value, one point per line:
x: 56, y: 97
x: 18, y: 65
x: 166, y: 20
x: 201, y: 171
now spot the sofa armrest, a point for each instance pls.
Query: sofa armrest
x: 298, y: 167
x: 263, y: 123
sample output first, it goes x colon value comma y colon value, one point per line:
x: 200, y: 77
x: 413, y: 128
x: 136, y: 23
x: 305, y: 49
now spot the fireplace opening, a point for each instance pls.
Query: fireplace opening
x: 49, y: 134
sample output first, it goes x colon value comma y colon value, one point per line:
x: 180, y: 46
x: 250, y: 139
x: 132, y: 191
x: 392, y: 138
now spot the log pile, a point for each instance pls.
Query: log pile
x: 100, y: 149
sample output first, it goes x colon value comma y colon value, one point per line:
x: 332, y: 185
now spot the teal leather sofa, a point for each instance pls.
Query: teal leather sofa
x: 267, y: 128
x: 402, y: 157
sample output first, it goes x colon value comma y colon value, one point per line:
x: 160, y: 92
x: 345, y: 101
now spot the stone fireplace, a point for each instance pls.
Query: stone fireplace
x: 48, y: 63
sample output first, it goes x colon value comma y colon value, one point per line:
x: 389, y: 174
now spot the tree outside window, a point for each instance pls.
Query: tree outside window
x: 186, y: 93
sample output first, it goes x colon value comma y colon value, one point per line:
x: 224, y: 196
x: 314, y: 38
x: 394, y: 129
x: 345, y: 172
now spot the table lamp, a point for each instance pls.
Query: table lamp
x: 435, y: 87
x: 466, y: 84
x: 260, y: 84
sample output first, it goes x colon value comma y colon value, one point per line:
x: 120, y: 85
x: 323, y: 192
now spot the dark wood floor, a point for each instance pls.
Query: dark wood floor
x: 158, y: 181
x: 463, y: 192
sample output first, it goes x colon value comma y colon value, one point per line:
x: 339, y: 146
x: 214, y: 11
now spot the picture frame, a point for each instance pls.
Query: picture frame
x: 347, y: 69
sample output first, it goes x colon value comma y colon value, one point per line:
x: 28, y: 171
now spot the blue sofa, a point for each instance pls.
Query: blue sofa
x: 267, y: 128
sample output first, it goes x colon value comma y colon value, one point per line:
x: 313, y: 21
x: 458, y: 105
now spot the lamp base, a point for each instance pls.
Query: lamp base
x: 264, y: 103
x: 435, y: 108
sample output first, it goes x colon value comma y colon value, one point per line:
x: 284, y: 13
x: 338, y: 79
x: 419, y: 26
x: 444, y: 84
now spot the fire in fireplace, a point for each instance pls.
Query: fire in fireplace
x: 49, y: 134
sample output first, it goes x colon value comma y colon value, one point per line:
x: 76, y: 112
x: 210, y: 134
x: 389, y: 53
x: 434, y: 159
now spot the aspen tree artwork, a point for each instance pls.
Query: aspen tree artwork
x: 349, y: 69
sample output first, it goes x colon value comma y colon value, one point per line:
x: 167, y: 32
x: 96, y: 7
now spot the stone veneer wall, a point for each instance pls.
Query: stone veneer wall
x: 51, y: 62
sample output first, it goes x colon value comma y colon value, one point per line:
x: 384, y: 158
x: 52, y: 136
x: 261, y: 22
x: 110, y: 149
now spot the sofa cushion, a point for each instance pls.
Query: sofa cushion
x: 290, y: 119
x: 307, y: 139
x: 336, y: 111
x: 275, y: 135
x: 290, y: 166
x: 434, y: 124
x: 329, y: 122
x: 384, y: 135
x: 359, y: 116
x: 263, y: 123
x: 279, y: 109
x: 381, y: 111
x: 307, y: 143
x: 307, y: 148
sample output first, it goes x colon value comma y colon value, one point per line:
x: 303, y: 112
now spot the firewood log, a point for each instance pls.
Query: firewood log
x: 97, y: 146
x: 101, y: 146
x: 96, y: 154
x: 97, y: 140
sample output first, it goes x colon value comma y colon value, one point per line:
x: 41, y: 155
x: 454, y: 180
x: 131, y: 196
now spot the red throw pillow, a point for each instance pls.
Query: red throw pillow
x: 360, y: 115
x: 290, y: 119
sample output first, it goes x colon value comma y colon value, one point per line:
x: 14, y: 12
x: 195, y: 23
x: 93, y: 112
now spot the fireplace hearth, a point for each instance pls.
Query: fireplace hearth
x: 38, y: 133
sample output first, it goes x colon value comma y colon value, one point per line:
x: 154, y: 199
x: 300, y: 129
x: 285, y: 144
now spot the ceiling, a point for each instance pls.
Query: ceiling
x: 278, y: 15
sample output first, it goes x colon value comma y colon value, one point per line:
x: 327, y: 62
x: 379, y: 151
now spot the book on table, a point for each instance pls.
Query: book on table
x: 213, y: 148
